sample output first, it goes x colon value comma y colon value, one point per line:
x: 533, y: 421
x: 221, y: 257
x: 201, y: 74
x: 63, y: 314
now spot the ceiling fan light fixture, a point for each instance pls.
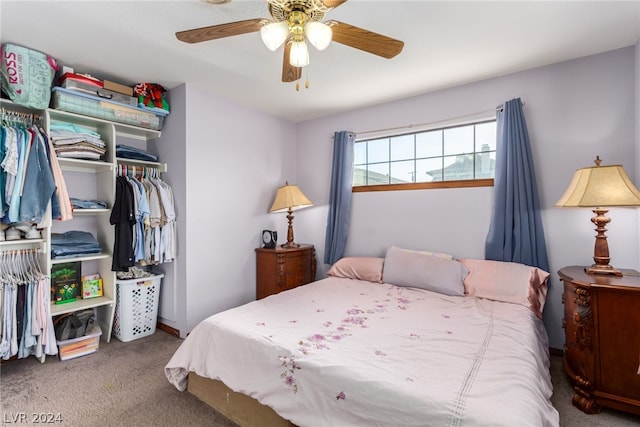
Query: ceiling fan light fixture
x: 299, y: 55
x: 274, y: 34
x: 318, y: 34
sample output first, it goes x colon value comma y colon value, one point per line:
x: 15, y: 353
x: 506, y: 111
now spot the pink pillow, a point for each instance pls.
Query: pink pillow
x: 507, y: 281
x: 361, y: 268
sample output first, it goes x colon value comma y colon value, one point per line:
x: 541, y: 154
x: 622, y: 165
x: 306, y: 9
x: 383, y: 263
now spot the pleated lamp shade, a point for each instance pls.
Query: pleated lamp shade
x: 599, y: 187
x: 289, y: 198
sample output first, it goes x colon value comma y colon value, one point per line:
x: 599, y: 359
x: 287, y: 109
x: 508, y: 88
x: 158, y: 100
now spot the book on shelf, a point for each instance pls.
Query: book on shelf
x: 92, y: 286
x: 65, y: 282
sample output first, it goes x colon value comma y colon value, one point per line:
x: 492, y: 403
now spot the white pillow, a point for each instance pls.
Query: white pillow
x: 420, y: 270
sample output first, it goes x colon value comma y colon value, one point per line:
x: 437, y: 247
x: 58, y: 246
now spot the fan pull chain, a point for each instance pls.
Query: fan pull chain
x: 306, y: 83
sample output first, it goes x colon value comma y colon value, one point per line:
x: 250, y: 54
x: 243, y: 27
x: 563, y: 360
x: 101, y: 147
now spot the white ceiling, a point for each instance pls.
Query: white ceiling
x: 447, y: 43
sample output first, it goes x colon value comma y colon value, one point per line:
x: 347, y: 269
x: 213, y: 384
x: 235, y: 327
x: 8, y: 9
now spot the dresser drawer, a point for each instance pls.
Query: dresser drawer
x: 281, y: 269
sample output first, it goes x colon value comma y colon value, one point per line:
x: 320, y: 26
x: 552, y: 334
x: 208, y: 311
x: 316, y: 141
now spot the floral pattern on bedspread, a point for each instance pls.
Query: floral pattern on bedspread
x: 356, y: 317
x: 345, y: 352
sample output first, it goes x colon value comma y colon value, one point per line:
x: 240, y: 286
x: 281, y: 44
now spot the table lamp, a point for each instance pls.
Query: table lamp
x: 599, y: 187
x: 289, y: 198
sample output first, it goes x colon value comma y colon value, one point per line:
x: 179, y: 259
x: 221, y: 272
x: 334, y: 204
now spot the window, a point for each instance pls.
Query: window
x: 454, y: 156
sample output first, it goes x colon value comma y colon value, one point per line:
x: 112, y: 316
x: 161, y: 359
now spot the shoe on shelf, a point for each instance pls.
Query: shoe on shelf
x: 25, y: 227
x: 12, y: 234
x: 33, y: 233
x: 2, y: 239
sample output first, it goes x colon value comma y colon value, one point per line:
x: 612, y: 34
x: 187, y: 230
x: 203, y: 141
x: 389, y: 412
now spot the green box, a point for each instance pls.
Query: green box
x: 65, y: 282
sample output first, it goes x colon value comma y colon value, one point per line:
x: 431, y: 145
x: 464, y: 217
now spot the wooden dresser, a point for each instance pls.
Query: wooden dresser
x: 602, y: 331
x: 280, y: 269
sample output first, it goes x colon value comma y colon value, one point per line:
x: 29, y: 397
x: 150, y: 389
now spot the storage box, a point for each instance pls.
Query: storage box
x: 76, y: 347
x: 117, y: 87
x: 65, y: 282
x: 91, y: 286
x: 88, y: 105
x: 136, y: 312
x: 94, y: 87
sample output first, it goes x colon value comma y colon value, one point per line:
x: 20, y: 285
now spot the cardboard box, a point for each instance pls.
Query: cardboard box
x: 117, y: 87
x: 65, y: 282
x: 91, y: 286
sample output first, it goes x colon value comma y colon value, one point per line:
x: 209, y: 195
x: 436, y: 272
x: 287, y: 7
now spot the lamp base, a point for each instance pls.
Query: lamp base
x: 289, y: 245
x: 602, y: 269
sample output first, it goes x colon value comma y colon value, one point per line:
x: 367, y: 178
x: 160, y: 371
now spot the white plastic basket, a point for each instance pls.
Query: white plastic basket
x: 136, y: 312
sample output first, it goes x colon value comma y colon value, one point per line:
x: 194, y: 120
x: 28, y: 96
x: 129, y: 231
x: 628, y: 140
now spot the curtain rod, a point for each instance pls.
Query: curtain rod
x: 411, y: 126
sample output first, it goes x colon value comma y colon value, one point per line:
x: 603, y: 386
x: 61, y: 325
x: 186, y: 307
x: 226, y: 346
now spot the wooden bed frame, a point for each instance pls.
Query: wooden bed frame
x: 239, y: 408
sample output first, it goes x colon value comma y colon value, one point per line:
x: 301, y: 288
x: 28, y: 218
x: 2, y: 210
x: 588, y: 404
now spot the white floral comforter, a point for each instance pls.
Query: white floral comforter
x: 343, y: 352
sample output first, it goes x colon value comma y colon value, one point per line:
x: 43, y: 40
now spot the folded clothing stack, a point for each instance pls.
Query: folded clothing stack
x: 128, y: 152
x: 73, y: 243
x: 87, y: 203
x: 76, y: 142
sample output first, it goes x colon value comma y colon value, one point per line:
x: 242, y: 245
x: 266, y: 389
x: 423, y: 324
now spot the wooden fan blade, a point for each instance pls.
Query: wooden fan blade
x: 333, y: 3
x: 213, y: 32
x: 289, y: 72
x: 366, y: 40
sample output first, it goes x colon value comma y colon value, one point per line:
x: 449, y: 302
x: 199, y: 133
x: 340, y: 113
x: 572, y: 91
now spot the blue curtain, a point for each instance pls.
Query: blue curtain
x: 516, y: 233
x: 340, y: 197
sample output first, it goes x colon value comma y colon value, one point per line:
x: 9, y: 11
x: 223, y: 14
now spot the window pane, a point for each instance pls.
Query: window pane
x: 458, y: 140
x: 378, y: 150
x: 458, y: 167
x: 378, y: 174
x: 485, y: 165
x: 429, y: 144
x: 360, y: 153
x: 402, y: 148
x: 465, y: 152
x: 486, y: 136
x: 428, y: 170
x: 359, y: 175
x: 402, y: 172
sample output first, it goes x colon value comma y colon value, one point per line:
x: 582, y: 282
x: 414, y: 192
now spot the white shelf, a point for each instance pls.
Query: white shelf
x: 81, y: 304
x: 122, y: 129
x: 20, y: 242
x: 81, y: 165
x: 80, y: 212
x: 90, y: 257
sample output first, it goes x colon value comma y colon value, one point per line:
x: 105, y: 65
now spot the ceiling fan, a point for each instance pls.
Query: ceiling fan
x: 295, y: 22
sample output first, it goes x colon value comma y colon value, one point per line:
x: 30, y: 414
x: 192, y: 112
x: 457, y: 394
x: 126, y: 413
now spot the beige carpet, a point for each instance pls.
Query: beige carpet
x: 123, y: 384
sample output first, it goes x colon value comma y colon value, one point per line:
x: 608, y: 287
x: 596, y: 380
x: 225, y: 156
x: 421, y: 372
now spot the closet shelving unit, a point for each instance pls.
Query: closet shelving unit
x: 79, y: 176
x: 104, y: 173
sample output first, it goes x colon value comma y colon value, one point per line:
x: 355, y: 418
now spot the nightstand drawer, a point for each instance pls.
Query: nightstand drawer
x: 602, y: 333
x: 282, y: 269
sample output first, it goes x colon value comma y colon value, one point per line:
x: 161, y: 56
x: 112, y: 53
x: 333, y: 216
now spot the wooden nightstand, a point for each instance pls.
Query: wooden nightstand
x: 280, y: 269
x: 602, y: 332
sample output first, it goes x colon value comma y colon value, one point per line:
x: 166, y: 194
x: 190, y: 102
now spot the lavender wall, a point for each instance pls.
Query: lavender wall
x: 637, y: 121
x: 575, y: 110
x: 224, y: 173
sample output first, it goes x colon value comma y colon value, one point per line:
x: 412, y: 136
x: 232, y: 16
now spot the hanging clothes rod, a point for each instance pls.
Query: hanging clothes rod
x: 421, y: 125
x: 20, y: 251
x: 140, y: 171
x: 11, y: 116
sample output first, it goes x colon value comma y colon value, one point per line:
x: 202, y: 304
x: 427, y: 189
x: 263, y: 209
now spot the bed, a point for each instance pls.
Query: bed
x: 392, y: 341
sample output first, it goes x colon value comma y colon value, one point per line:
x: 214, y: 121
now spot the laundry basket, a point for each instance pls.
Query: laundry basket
x: 136, y: 312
